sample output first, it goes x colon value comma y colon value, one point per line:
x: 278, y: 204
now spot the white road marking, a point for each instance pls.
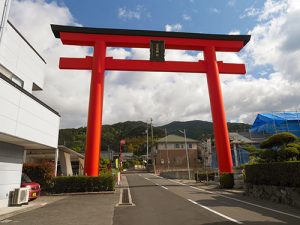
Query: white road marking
x: 200, y: 189
x: 248, y: 203
x: 235, y: 199
x: 177, y: 182
x: 164, y: 187
x: 213, y: 211
x: 146, y: 178
x: 259, y: 206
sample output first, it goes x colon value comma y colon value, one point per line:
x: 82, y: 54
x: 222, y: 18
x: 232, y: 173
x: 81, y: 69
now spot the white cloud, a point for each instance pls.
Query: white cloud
x: 250, y: 12
x: 215, y: 10
x: 136, y: 13
x: 186, y: 17
x: 175, y: 27
x: 234, y: 32
x: 170, y: 96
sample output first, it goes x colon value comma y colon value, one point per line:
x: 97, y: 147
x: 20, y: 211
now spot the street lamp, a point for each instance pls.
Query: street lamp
x: 186, y: 152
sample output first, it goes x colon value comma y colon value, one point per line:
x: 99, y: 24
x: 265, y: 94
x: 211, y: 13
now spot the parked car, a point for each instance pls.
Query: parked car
x: 34, y: 188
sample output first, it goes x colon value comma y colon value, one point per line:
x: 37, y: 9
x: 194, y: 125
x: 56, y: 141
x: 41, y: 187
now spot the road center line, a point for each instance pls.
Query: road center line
x: 213, y: 211
x: 164, y: 187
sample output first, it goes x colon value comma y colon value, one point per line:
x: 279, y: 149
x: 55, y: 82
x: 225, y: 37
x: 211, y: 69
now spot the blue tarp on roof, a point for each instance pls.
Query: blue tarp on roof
x: 272, y: 123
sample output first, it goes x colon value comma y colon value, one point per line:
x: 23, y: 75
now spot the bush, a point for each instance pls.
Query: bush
x: 83, y: 184
x: 268, y: 155
x: 42, y: 173
x: 226, y: 180
x: 278, y: 140
x: 285, y: 174
x: 289, y: 153
x: 203, y: 176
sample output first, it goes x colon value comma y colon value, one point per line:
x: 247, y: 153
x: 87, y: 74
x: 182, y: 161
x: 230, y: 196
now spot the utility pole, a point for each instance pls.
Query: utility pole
x: 186, y: 152
x: 167, y: 148
x: 147, y: 142
x: 152, y: 145
x: 151, y: 134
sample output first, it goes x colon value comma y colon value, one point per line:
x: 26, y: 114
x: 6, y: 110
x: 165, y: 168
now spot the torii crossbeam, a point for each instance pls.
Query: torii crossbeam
x: 101, y: 38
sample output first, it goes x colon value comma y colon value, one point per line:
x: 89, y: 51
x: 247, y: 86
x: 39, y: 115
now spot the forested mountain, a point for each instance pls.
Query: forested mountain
x: 134, y: 132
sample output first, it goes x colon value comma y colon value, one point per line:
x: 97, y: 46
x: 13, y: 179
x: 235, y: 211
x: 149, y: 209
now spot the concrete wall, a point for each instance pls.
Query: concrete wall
x: 11, y: 159
x: 23, y: 117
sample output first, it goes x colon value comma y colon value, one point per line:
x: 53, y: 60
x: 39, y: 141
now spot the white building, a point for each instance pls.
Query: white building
x: 26, y: 123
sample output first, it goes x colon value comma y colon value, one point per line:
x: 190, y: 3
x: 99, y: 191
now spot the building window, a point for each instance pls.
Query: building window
x: 162, y: 161
x: 176, y: 145
x: 190, y: 145
x: 17, y: 80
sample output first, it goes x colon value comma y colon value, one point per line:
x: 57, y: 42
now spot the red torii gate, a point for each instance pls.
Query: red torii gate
x: 101, y: 38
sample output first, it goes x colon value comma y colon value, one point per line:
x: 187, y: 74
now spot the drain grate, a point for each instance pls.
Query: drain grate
x: 125, y: 197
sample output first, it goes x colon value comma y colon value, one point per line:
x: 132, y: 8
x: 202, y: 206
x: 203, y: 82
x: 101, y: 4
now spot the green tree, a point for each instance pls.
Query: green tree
x: 278, y: 140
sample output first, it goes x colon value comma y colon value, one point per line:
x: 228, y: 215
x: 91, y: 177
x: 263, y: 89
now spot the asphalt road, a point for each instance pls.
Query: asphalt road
x: 164, y: 202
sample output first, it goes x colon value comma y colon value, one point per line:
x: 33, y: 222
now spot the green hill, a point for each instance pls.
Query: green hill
x: 134, y: 134
x: 200, y: 130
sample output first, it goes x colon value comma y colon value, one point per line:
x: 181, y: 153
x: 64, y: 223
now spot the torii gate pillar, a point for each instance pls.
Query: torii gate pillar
x: 217, y: 111
x: 94, y: 126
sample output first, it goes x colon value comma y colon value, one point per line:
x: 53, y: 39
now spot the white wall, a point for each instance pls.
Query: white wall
x: 162, y: 146
x: 11, y: 159
x: 23, y: 117
x: 4, y: 9
x: 19, y: 58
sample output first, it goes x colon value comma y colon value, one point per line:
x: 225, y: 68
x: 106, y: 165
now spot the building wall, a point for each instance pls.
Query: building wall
x: 176, y: 146
x: 23, y: 117
x: 11, y: 159
x: 177, y: 159
x: 20, y: 59
x: 4, y: 9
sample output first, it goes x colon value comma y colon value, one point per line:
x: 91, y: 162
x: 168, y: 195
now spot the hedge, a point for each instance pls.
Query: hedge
x: 226, y: 180
x: 286, y: 174
x: 40, y: 173
x: 83, y: 184
x: 203, y: 176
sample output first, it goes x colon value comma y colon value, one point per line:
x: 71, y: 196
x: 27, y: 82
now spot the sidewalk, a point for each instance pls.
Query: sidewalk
x: 39, y: 202
x: 85, y: 209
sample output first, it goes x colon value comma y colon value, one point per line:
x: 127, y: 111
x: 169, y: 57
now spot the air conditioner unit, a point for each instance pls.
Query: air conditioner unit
x: 20, y: 196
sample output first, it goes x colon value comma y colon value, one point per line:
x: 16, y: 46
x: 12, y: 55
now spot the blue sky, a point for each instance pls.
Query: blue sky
x: 213, y: 16
x: 272, y: 82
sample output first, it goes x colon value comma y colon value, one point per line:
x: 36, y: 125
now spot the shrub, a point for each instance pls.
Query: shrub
x: 289, y: 153
x: 278, y: 174
x: 42, y: 173
x: 268, y: 155
x: 203, y: 176
x: 278, y: 140
x: 226, y: 180
x: 83, y: 184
